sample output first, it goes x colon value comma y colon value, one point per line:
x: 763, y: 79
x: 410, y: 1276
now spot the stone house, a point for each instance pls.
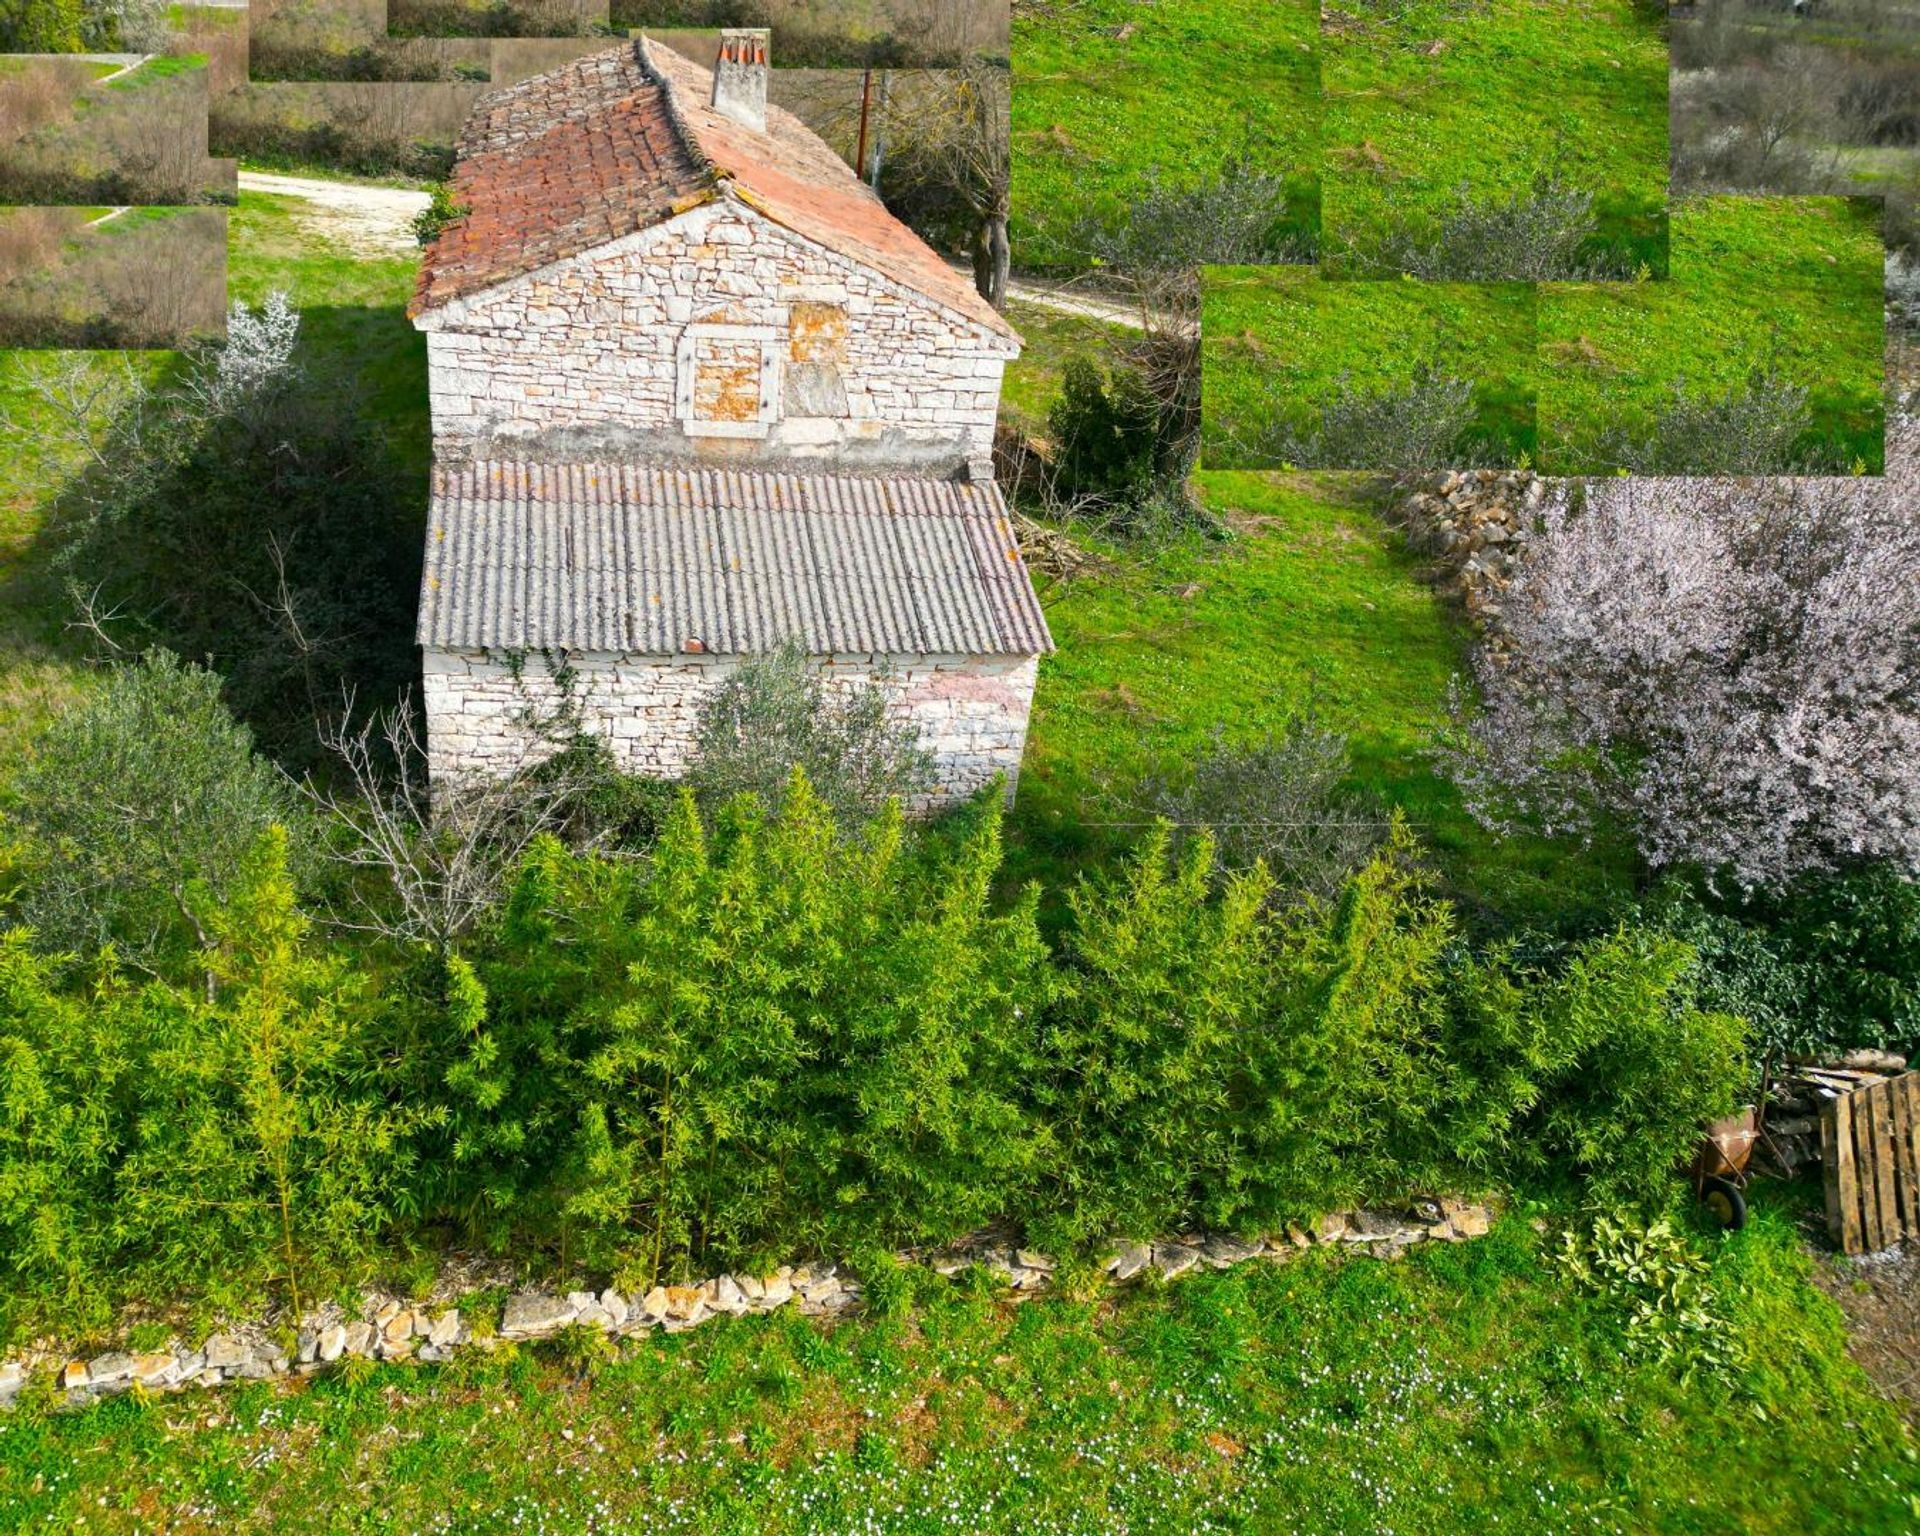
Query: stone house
x: 696, y: 392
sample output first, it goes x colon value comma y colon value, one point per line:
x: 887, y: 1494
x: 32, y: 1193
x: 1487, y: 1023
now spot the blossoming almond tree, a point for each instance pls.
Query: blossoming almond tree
x: 1728, y: 668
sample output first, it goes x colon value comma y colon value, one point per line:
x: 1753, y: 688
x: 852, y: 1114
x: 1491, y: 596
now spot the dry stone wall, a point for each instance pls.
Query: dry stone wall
x: 1476, y: 524
x: 972, y: 710
x: 393, y: 1329
x: 608, y: 354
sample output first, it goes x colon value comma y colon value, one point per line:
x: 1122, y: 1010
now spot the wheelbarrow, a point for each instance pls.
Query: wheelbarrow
x: 1721, y: 1164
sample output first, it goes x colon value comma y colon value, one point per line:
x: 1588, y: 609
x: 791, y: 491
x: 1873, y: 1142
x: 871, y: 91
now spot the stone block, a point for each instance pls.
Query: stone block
x: 224, y: 1352
x: 531, y: 1313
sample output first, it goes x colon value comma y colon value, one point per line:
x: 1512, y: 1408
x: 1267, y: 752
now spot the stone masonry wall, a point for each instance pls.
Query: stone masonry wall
x: 972, y: 710
x: 591, y: 357
x: 453, y: 1317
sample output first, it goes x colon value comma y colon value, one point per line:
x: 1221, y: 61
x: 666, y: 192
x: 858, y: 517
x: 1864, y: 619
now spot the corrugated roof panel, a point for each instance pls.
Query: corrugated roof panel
x: 646, y: 559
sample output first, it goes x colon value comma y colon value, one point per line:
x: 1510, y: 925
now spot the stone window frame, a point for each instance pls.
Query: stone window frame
x: 771, y: 381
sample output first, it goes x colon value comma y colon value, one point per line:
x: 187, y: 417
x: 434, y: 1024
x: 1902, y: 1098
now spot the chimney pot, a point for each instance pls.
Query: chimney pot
x: 740, y: 77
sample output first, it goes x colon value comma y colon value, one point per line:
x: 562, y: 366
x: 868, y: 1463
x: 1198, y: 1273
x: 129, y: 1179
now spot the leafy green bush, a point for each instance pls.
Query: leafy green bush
x: 1215, y: 1061
x: 1659, y: 1286
x: 1603, y: 1069
x: 158, y: 1137
x: 1106, y: 433
x: 1156, y: 1077
x: 1830, y: 964
x: 775, y: 1035
x: 774, y: 713
x: 142, y: 790
x: 605, y: 805
x: 769, y: 1038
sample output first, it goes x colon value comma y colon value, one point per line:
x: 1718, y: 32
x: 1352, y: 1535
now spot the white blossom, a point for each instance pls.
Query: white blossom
x: 257, y: 356
x: 1730, y: 668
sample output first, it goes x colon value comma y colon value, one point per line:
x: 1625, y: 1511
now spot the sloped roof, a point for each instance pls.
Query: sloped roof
x: 616, y: 142
x: 653, y: 559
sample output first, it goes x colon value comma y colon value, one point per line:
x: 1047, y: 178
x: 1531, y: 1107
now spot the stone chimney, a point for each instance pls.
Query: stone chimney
x: 740, y: 77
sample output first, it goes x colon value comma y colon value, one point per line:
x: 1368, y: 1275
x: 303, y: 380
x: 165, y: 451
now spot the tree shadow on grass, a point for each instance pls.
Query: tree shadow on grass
x: 280, y: 545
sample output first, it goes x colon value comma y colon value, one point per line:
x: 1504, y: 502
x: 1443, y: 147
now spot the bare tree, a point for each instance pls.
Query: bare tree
x: 441, y: 851
x: 949, y: 137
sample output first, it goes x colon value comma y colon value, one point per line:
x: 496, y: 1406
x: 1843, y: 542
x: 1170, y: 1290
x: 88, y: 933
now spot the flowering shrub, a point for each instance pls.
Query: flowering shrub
x: 1726, y: 667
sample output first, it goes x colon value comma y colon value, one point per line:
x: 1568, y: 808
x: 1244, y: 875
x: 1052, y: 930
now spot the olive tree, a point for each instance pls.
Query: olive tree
x: 135, y: 796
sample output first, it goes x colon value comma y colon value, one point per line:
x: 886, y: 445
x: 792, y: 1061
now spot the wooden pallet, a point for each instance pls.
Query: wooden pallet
x: 1870, y: 1151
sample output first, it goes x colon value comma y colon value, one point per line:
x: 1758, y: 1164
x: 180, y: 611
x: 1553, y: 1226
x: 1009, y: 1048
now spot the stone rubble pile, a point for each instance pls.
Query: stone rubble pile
x: 1474, y: 524
x: 391, y: 1330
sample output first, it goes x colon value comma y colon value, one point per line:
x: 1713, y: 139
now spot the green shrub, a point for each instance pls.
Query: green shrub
x: 775, y: 1035
x: 1106, y: 432
x: 1830, y: 964
x: 1365, y: 1005
x: 156, y: 1138
x: 139, y: 791
x: 1544, y: 234
x: 1155, y: 1079
x: 605, y: 806
x: 1659, y: 1287
x: 54, y: 26
x: 1602, y: 1069
x: 771, y: 1039
x: 245, y: 514
x: 1281, y: 800
x: 1401, y: 428
x: 1215, y: 1062
x: 1757, y: 429
x: 774, y: 713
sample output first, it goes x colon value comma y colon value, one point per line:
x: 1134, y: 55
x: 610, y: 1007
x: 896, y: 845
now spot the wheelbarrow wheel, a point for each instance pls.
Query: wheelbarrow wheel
x: 1723, y: 1199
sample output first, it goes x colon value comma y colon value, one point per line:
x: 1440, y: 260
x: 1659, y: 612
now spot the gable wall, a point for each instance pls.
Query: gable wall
x: 585, y: 359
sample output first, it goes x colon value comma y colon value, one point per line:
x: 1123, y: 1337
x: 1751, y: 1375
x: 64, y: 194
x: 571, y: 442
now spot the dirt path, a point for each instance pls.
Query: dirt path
x: 111, y: 213
x: 124, y: 69
x: 1065, y: 301
x: 1070, y: 303
x: 375, y: 221
x: 1880, y: 1294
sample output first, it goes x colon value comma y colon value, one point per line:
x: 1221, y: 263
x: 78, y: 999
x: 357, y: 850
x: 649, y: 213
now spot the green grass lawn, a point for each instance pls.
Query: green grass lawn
x: 1789, y: 283
x: 1465, y: 1389
x: 1105, y: 89
x: 1278, y: 342
x: 1424, y: 97
x: 162, y: 67
x: 1313, y: 603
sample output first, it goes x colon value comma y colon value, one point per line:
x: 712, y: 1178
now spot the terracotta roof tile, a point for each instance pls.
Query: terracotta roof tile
x: 618, y: 141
